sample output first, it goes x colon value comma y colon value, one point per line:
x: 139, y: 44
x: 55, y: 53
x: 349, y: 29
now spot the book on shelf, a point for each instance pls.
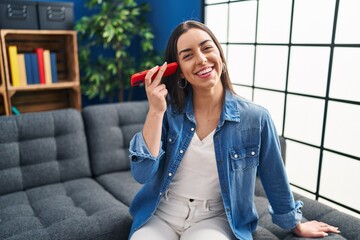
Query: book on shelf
x: 29, y: 69
x: 32, y: 69
x: 40, y: 57
x: 22, y: 69
x: 53, y: 68
x: 47, y: 67
x: 14, y: 66
x: 35, y: 68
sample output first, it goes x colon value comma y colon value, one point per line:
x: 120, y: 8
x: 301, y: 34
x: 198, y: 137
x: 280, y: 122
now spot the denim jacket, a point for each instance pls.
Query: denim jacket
x: 246, y: 145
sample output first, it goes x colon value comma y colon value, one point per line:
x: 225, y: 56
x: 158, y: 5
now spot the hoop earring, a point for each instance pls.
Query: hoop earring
x: 224, y: 68
x: 182, y: 85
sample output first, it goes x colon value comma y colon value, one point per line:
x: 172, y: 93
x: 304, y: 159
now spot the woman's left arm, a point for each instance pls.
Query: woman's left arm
x: 285, y: 212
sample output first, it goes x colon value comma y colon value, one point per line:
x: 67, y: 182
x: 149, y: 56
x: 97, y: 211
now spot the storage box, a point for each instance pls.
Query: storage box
x: 18, y: 15
x: 56, y: 15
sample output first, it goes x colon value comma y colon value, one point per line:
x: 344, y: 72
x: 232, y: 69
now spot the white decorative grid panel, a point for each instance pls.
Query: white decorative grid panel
x: 300, y: 59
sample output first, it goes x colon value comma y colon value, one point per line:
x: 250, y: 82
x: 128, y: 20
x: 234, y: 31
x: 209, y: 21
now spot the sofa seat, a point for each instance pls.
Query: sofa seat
x: 120, y: 184
x: 76, y: 209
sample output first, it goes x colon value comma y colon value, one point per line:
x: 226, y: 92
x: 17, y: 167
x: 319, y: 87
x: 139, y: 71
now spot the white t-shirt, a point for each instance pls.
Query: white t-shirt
x: 197, y: 175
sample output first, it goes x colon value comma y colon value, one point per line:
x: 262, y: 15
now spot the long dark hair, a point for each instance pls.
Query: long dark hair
x: 178, y: 95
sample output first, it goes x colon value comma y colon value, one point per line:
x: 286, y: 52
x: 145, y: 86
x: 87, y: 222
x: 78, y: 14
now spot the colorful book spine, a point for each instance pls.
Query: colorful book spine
x: 14, y: 66
x: 47, y: 67
x: 35, y: 68
x: 29, y: 69
x: 22, y: 69
x: 53, y: 68
x: 40, y: 58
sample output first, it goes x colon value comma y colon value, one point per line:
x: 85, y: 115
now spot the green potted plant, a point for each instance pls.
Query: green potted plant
x: 115, y: 27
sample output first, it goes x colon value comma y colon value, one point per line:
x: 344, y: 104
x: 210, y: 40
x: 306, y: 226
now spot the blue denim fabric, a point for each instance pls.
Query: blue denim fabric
x: 246, y: 143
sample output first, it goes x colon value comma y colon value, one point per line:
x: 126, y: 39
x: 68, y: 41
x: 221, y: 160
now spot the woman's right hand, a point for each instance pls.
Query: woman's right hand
x: 155, y: 91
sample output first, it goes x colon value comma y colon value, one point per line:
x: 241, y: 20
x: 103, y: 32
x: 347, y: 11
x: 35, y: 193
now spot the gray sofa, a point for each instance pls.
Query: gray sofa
x: 65, y: 175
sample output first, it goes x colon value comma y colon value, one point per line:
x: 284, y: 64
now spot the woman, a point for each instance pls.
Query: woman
x: 200, y: 150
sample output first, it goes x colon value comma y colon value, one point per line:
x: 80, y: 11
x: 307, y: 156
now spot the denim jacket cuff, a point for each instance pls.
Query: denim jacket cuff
x: 139, y: 151
x: 289, y: 220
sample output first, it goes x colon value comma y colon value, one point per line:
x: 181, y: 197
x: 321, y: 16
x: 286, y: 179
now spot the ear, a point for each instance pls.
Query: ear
x: 182, y: 75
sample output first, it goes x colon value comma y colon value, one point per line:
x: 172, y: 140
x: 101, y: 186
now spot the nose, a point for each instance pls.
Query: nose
x: 201, y: 59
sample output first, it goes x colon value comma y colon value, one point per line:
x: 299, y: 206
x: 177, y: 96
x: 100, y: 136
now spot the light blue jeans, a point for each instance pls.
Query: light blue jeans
x: 186, y: 219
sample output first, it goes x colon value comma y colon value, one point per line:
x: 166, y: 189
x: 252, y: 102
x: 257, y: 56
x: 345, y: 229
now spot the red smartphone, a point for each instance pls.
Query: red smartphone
x: 138, y: 78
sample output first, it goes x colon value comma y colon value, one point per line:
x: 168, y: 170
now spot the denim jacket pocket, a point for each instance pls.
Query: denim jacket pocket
x: 243, y: 159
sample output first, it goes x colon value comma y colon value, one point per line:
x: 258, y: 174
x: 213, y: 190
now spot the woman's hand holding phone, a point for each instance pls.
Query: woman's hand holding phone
x: 155, y: 91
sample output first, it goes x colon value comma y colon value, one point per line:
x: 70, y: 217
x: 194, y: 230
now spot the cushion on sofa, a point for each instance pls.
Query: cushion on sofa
x: 45, y: 187
x: 76, y: 209
x: 41, y: 148
x: 109, y: 130
x: 121, y: 184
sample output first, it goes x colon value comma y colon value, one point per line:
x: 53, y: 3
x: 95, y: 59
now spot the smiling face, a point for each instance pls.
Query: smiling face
x: 199, y: 59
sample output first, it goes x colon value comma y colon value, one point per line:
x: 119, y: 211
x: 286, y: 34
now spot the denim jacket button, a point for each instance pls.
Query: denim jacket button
x: 235, y: 156
x: 252, y: 153
x: 181, y: 151
x: 170, y: 174
x: 170, y: 140
x: 192, y: 129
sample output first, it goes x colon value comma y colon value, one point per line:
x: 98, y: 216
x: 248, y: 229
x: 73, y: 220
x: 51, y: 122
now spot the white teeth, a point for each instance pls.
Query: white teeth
x: 205, y: 71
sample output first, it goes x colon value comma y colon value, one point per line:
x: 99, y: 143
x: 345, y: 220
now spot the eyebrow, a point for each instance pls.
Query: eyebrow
x: 189, y: 49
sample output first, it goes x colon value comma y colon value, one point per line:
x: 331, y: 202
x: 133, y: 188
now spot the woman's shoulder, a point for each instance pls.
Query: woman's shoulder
x: 249, y: 111
x: 247, y: 106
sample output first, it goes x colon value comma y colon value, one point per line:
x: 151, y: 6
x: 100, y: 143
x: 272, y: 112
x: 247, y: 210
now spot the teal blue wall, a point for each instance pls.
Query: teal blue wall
x: 164, y: 15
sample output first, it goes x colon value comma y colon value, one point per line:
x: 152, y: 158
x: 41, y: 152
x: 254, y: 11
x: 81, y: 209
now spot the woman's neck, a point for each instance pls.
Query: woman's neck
x: 208, y: 101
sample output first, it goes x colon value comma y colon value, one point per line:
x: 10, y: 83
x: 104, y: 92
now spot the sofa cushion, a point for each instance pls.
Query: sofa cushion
x: 77, y: 209
x: 42, y: 148
x: 121, y: 184
x: 109, y: 130
x: 263, y: 234
x: 350, y: 226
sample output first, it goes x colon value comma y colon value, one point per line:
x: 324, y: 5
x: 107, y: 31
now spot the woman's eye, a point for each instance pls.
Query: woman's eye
x: 187, y: 56
x: 207, y: 48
